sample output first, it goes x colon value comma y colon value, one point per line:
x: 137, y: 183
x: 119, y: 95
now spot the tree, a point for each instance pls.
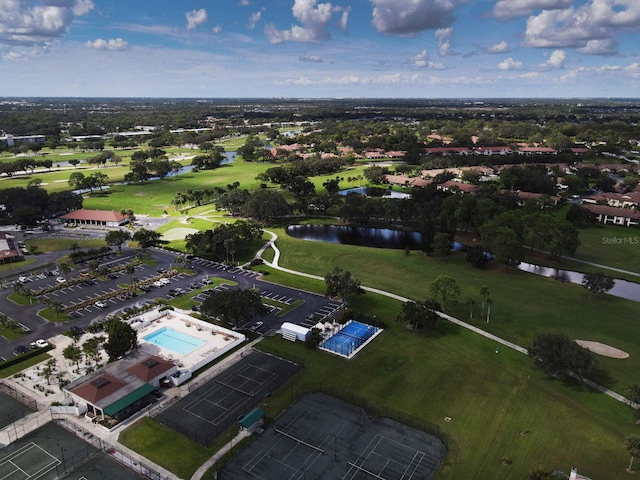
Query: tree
x: 441, y: 245
x: 632, y: 445
x: 76, y: 180
x: 445, y: 289
x: 92, y: 348
x: 560, y: 356
x: 116, y: 238
x: 72, y: 353
x: 236, y: 306
x: 146, y: 238
x: 470, y: 303
x: 342, y: 284
x: 65, y: 268
x: 74, y: 162
x: 121, y: 339
x: 489, y: 303
x: 75, y: 247
x: 420, y: 314
x: 484, y: 291
x: 633, y: 397
x: 597, y: 283
x: 48, y: 369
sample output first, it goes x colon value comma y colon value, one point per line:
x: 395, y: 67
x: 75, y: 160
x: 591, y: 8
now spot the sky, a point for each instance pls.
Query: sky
x: 316, y: 49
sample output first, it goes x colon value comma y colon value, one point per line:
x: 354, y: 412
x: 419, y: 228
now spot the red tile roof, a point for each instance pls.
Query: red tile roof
x: 94, y: 215
x: 150, y: 368
x: 98, y: 387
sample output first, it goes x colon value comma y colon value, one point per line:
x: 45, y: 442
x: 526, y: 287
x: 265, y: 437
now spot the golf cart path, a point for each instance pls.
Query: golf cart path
x: 274, y: 264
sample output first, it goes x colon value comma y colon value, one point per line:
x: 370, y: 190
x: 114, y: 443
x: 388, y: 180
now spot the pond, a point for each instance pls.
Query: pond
x: 622, y: 288
x: 375, y: 192
x: 388, y: 238
x: 361, y: 236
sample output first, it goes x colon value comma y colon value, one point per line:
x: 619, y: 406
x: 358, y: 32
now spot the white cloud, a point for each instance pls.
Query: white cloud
x: 444, y: 41
x: 344, y: 19
x: 195, y: 18
x: 591, y: 28
x: 556, y: 59
x: 405, y: 17
x: 310, y: 58
x: 510, y: 64
x: 112, y: 44
x: 500, y: 47
x: 420, y: 60
x: 518, y: 8
x: 217, y: 29
x: 254, y: 19
x: 244, y: 3
x: 314, y: 18
x: 28, y: 23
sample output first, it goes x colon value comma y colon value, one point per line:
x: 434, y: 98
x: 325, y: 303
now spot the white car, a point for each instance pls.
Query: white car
x: 61, y: 280
x: 23, y: 279
x: 40, y: 343
x: 100, y: 304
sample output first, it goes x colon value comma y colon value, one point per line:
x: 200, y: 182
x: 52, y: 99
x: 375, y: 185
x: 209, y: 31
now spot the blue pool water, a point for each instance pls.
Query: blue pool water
x: 349, y: 339
x: 173, y: 340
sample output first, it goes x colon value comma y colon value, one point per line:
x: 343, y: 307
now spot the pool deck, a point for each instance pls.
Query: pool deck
x: 217, y: 340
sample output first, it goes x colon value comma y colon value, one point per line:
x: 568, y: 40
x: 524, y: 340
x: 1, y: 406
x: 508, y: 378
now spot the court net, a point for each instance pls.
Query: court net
x: 296, y: 439
x: 249, y: 394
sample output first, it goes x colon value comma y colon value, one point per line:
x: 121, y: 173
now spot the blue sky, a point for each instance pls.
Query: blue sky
x: 310, y: 48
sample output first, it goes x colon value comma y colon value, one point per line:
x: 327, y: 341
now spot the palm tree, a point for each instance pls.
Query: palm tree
x: 484, y: 291
x: 65, y: 268
x: 632, y: 444
x: 470, y: 303
x: 75, y: 247
x: 48, y: 369
x: 489, y: 303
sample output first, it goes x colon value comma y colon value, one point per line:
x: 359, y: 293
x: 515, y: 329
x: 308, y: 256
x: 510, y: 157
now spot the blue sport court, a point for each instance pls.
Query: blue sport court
x: 348, y: 341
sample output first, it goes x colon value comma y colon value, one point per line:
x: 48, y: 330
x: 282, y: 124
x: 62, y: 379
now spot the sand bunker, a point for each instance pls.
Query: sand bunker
x: 602, y: 349
x: 178, y: 233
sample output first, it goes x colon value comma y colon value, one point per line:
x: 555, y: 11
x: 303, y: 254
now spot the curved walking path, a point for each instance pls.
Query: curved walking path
x: 274, y: 264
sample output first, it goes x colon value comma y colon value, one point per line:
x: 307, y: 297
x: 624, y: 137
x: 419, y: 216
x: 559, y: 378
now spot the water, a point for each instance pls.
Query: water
x: 622, y: 288
x: 387, y: 238
x: 361, y: 236
x: 375, y: 192
x: 173, y: 340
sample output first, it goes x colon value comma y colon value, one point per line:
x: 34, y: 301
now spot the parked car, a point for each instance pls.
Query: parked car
x: 40, y: 343
x: 256, y: 326
x: 112, y: 275
x: 20, y: 350
x: 100, y: 304
x: 61, y: 280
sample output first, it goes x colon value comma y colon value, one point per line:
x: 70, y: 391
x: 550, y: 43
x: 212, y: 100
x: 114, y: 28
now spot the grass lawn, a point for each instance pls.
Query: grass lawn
x: 500, y: 408
x: 154, y: 197
x: 165, y: 447
x: 50, y: 244
x: 5, y: 267
x: 517, y: 313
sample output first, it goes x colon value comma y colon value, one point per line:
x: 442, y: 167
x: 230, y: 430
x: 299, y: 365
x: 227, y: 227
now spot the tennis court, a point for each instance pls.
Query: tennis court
x: 209, y: 411
x: 350, y: 339
x: 12, y: 410
x: 320, y: 437
x: 51, y: 452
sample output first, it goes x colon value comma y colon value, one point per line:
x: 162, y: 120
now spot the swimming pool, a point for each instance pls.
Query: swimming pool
x: 173, y: 340
x: 350, y: 339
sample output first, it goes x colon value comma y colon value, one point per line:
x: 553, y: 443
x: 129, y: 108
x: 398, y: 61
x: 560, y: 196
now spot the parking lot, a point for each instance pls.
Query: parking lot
x: 89, y: 300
